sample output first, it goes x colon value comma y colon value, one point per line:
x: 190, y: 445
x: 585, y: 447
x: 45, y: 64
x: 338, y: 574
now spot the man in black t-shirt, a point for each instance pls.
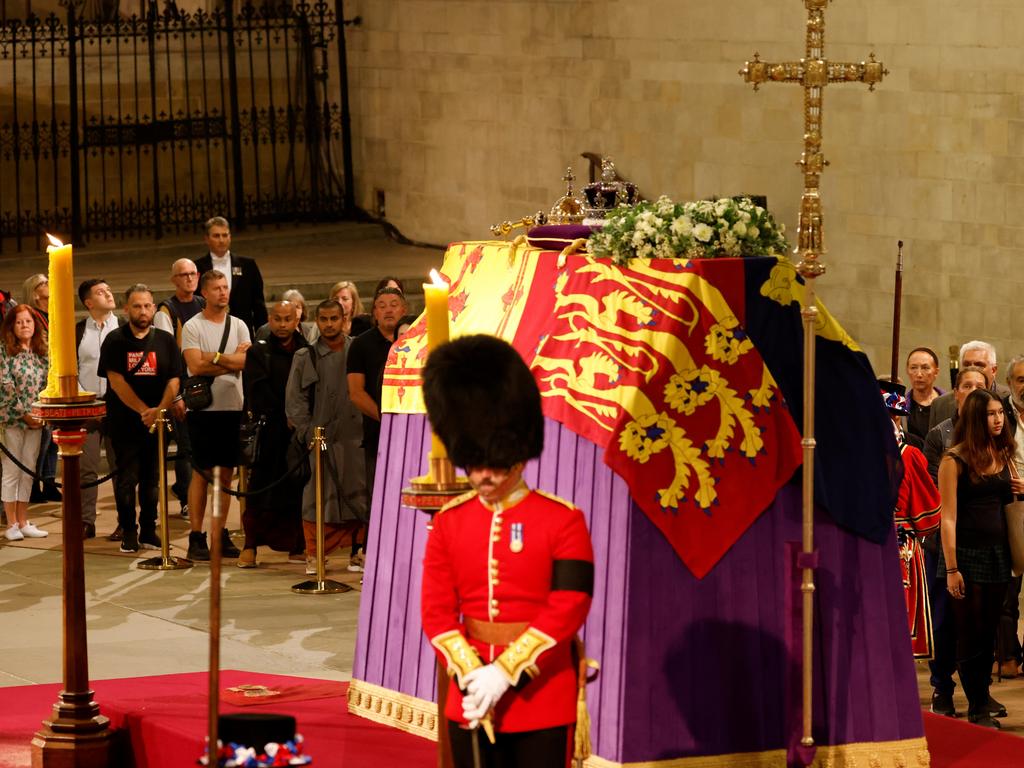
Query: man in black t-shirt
x: 367, y: 356
x: 143, y: 367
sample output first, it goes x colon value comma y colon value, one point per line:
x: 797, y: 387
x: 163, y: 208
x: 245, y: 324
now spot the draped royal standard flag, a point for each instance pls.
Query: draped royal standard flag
x: 857, y: 465
x: 649, y: 361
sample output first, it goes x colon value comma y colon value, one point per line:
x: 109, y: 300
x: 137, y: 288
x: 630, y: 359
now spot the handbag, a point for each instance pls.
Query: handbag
x: 1015, y: 526
x: 249, y: 439
x: 197, y: 391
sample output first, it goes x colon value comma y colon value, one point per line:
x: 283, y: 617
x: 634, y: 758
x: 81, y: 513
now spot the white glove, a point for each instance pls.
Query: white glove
x: 484, y: 686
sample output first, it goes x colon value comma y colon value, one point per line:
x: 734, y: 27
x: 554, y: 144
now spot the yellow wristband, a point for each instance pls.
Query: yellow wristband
x: 216, y: 358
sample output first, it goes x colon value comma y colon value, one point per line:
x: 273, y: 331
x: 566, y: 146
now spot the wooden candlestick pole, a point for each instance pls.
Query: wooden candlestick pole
x: 76, y: 735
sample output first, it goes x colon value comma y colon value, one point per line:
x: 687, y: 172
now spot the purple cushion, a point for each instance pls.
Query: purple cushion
x: 555, y: 237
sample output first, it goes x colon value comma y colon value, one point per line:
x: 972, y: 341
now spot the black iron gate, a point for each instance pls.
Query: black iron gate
x: 151, y: 124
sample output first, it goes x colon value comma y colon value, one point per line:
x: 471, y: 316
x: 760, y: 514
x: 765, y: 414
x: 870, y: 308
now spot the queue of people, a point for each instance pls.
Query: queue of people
x: 287, y: 371
x: 974, y: 456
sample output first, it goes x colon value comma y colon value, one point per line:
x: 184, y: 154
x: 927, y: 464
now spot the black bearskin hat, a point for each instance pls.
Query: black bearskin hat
x: 483, y: 403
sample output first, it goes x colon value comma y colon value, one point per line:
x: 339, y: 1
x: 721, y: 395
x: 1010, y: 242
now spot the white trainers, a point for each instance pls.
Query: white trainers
x: 357, y: 564
x: 29, y: 531
x: 311, y: 566
x: 14, y: 533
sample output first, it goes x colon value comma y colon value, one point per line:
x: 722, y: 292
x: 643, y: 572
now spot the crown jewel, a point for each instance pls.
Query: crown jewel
x: 604, y: 196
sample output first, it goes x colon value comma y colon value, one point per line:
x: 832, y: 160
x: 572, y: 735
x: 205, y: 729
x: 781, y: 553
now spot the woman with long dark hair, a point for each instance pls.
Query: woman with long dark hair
x: 975, y: 483
x: 23, y: 367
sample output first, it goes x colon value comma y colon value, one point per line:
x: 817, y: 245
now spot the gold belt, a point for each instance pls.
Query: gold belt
x: 495, y: 632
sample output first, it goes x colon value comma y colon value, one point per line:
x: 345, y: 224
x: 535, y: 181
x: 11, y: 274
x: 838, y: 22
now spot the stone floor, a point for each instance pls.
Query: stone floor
x: 153, y: 622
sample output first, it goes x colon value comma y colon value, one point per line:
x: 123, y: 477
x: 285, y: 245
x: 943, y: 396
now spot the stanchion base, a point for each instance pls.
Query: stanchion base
x: 158, y: 564
x: 325, y: 587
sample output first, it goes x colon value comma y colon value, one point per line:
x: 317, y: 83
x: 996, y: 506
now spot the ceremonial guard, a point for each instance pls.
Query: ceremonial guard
x: 918, y: 514
x: 508, y: 572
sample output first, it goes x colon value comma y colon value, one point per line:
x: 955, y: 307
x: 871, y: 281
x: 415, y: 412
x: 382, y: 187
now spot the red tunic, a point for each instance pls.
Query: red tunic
x: 918, y: 513
x: 496, y: 565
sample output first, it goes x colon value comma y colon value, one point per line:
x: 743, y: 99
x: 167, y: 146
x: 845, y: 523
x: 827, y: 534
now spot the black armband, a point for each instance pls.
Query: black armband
x: 573, y: 576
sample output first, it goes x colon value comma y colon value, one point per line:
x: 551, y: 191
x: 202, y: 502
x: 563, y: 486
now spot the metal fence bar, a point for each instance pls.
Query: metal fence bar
x: 73, y: 149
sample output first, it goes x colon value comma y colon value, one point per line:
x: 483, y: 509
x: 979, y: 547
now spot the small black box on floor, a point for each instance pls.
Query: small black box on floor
x: 255, y: 729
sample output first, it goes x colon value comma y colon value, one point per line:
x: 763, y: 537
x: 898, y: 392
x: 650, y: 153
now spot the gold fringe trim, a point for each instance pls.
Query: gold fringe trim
x: 908, y: 753
x: 419, y: 717
x: 399, y: 710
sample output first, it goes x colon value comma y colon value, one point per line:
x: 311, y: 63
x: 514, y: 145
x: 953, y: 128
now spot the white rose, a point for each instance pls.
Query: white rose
x: 703, y: 232
x: 638, y: 239
x: 739, y: 228
x: 721, y: 207
x: 753, y: 233
x: 682, y: 226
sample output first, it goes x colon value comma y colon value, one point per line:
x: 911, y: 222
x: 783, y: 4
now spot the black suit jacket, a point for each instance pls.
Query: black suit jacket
x: 247, y: 301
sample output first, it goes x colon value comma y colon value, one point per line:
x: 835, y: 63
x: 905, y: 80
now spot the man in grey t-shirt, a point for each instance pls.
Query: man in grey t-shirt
x: 214, y: 430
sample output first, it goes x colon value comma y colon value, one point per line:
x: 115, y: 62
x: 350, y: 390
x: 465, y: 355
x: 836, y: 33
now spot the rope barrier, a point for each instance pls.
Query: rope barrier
x: 247, y: 494
x: 39, y: 478
x: 170, y: 457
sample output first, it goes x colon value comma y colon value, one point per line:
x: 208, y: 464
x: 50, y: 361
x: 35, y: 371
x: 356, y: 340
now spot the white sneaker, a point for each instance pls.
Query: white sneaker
x: 31, y: 532
x: 311, y: 566
x: 357, y: 564
x: 14, y: 533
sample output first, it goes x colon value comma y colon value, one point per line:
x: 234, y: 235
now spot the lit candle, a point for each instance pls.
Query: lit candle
x: 63, y: 355
x: 435, y: 294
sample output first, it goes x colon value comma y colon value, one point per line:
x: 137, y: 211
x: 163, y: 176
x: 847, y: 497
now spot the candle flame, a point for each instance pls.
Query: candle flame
x: 436, y: 279
x: 54, y: 241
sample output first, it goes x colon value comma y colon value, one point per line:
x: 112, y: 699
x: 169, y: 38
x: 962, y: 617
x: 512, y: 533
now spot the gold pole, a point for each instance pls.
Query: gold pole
x: 809, y: 314
x: 322, y: 585
x: 216, y: 525
x: 320, y: 445
x: 164, y: 562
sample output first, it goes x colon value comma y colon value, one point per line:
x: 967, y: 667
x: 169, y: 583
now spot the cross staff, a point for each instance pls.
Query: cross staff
x: 812, y: 73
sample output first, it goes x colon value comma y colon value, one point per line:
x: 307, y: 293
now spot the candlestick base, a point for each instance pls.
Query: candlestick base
x: 67, y: 392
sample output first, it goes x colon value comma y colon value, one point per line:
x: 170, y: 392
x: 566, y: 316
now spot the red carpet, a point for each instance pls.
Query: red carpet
x: 165, y: 716
x: 958, y: 744
x: 166, y: 719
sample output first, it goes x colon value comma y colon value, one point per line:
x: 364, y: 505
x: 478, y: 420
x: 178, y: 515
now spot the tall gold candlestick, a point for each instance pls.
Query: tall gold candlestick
x: 435, y: 294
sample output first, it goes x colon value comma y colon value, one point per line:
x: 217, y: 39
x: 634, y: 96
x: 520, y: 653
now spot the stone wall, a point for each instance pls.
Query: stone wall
x: 467, y: 113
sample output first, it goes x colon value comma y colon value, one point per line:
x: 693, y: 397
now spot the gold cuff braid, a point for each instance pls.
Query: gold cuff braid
x: 523, y: 653
x: 460, y: 657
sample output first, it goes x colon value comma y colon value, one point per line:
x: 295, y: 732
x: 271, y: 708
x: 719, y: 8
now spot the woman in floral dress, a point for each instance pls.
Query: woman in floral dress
x: 23, y: 368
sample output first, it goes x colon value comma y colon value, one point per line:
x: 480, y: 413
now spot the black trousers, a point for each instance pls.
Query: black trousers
x: 135, y: 456
x: 547, y: 748
x: 977, y: 617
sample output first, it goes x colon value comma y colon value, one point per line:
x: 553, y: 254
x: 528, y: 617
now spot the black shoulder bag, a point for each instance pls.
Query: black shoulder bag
x: 250, y: 432
x: 197, y: 391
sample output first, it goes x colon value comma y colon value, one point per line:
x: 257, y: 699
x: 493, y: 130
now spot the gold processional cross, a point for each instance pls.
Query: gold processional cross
x: 813, y: 73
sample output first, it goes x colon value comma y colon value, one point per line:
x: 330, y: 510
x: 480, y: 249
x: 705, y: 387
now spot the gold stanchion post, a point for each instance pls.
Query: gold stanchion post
x: 322, y: 585
x: 165, y: 562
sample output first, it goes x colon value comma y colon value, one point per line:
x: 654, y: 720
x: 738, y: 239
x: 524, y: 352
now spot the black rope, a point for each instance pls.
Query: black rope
x: 246, y: 494
x: 170, y: 457
x: 38, y: 478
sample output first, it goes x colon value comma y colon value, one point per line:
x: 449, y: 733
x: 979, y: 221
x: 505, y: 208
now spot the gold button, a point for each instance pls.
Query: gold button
x: 494, y: 603
x: 494, y: 562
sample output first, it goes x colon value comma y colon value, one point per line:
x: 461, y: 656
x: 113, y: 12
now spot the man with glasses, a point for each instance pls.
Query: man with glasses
x: 973, y: 354
x: 171, y: 315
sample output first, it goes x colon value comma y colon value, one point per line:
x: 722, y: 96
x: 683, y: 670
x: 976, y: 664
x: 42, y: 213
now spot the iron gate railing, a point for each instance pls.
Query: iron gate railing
x: 151, y: 124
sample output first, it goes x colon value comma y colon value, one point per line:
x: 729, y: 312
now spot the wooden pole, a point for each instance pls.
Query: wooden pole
x: 77, y: 735
x: 897, y: 306
x: 216, y: 526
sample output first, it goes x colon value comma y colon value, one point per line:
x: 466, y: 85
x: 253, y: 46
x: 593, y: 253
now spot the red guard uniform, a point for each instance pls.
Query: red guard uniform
x: 918, y: 513
x: 510, y: 584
